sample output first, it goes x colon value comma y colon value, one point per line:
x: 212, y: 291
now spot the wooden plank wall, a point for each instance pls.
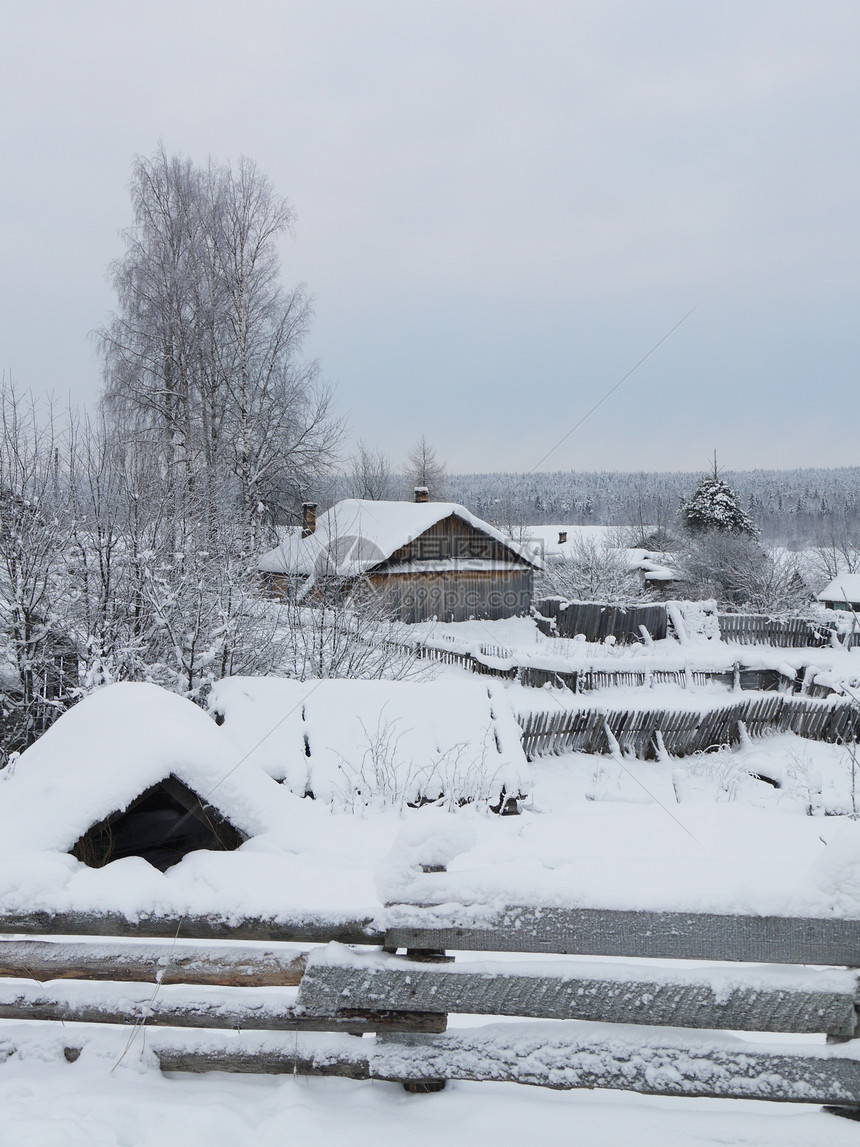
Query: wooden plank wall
x: 600, y: 620
x: 455, y: 595
x: 453, y: 538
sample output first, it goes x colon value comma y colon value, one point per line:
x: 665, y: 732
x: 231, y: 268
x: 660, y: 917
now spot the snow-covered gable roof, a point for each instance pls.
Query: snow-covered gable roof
x: 109, y: 749
x: 357, y: 534
x: 845, y: 587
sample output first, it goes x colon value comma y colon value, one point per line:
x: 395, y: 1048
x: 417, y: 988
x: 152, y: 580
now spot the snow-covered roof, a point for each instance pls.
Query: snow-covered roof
x: 656, y: 569
x: 357, y: 534
x: 109, y: 749
x: 659, y: 573
x: 845, y: 587
x: 545, y: 538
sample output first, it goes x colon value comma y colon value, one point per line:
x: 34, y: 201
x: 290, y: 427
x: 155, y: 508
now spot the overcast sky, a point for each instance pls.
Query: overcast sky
x: 502, y: 206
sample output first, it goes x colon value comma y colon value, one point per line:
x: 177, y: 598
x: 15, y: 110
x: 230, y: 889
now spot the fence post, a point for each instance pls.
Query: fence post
x: 427, y: 956
x: 430, y: 955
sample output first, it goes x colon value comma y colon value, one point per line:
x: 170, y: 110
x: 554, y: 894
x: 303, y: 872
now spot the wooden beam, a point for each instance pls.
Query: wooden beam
x: 604, y: 932
x: 353, y: 1063
x: 627, y: 994
x: 298, y: 929
x: 236, y: 1008
x: 560, y: 1056
x: 226, y: 964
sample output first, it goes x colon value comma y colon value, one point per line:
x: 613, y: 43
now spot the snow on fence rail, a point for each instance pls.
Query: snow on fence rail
x: 685, y: 731
x: 498, y: 661
x: 628, y: 1014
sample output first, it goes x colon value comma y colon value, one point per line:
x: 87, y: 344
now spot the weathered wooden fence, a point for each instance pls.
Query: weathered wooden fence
x: 587, y: 680
x: 597, y: 621
x: 498, y: 661
x: 629, y: 1015
x: 785, y: 633
x: 684, y: 731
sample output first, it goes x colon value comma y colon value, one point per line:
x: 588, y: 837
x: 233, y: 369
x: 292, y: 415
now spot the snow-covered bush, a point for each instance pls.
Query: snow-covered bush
x: 590, y: 571
x: 359, y: 745
x: 741, y: 575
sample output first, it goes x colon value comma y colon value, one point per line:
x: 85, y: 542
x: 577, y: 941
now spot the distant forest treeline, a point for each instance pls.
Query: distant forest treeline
x: 789, y: 506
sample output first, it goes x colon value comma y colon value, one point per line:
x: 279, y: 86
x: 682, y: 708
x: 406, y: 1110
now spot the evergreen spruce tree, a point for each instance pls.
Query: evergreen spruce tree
x: 715, y: 506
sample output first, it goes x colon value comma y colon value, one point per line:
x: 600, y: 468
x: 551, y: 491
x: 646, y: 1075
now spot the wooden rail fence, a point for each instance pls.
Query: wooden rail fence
x: 624, y: 1024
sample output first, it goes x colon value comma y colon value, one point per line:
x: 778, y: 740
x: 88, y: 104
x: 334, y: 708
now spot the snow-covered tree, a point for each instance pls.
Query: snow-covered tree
x: 203, y: 357
x: 591, y: 571
x: 740, y: 574
x: 370, y: 474
x: 33, y: 516
x: 423, y: 468
x: 715, y: 506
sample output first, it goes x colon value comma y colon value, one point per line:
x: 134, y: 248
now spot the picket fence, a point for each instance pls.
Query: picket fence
x: 785, y: 633
x: 498, y: 661
x: 645, y: 732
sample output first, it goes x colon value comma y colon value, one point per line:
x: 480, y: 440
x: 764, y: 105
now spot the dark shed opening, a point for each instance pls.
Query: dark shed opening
x: 162, y: 825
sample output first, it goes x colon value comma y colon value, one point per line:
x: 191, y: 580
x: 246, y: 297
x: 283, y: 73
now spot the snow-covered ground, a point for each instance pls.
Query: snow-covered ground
x: 520, y: 637
x: 703, y: 833
x: 89, y: 1104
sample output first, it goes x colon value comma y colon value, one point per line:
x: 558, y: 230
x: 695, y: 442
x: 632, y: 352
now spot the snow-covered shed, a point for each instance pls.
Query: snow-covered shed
x: 133, y: 770
x: 424, y: 559
x: 356, y: 744
x: 842, y: 593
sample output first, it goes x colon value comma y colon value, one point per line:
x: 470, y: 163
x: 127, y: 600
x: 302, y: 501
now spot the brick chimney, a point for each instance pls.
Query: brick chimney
x: 422, y: 494
x: 309, y: 518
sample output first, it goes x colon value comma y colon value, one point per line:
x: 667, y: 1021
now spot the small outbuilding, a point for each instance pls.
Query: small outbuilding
x: 842, y: 593
x: 422, y: 559
x: 134, y: 771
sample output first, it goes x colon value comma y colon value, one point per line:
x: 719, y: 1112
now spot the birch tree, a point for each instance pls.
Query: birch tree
x: 424, y: 468
x: 32, y: 513
x: 370, y: 475
x: 203, y: 357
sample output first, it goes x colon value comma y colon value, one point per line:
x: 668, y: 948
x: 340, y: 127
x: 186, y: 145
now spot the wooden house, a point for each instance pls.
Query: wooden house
x: 842, y: 593
x: 423, y: 559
